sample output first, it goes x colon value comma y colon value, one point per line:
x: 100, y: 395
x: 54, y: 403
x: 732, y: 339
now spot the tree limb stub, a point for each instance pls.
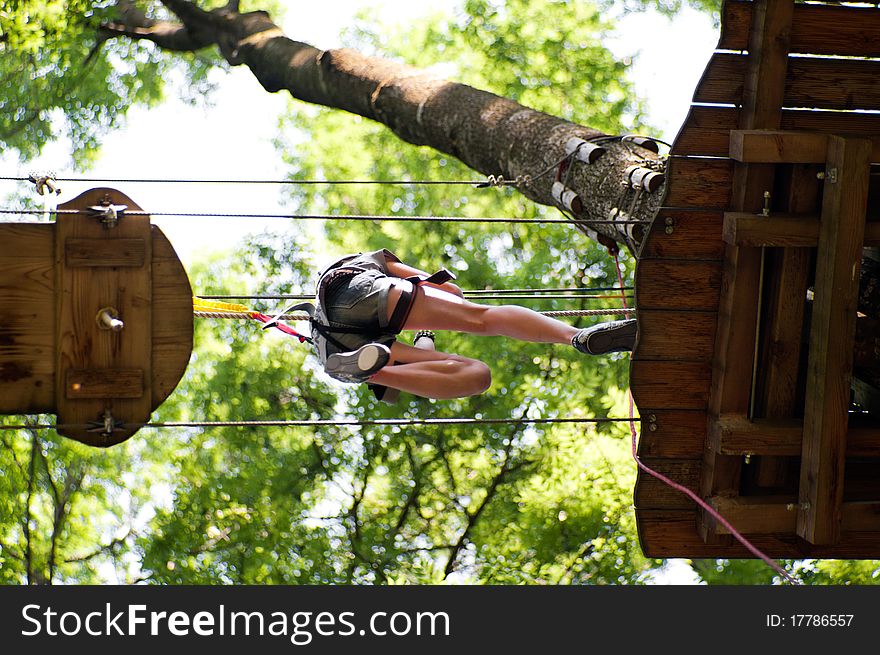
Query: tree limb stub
x: 488, y: 133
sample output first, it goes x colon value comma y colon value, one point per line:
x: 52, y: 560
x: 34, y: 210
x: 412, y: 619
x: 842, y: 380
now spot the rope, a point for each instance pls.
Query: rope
x: 690, y: 494
x: 302, y: 316
x: 339, y: 217
x: 477, y: 293
x: 400, y: 422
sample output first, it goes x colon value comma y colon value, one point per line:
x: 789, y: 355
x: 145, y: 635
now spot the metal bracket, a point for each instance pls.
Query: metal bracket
x: 108, y: 213
x: 44, y: 182
x: 830, y: 175
x: 106, y: 425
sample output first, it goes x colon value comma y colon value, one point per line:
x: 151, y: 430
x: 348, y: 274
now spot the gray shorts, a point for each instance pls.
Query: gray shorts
x: 360, y: 302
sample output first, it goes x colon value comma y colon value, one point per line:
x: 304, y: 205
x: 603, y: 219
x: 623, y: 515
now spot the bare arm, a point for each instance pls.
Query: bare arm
x: 399, y: 269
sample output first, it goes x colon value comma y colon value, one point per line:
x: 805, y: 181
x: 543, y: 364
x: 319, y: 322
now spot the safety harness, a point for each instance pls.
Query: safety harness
x: 322, y: 332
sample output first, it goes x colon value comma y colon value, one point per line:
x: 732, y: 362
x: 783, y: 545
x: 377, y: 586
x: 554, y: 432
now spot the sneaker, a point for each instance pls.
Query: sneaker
x: 616, y: 336
x: 358, y: 365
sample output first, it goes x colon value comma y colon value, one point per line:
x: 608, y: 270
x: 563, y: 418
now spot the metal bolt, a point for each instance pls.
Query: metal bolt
x: 108, y: 319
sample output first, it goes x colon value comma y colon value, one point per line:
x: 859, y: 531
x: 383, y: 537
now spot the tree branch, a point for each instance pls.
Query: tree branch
x: 110, y: 547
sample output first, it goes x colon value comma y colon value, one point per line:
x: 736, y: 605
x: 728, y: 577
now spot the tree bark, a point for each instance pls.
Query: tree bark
x: 490, y: 134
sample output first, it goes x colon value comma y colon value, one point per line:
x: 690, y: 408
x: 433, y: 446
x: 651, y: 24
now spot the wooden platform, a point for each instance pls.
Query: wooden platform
x: 744, y: 380
x: 55, y: 355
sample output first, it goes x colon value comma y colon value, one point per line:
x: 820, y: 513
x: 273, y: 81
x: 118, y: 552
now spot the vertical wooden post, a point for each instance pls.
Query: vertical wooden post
x: 102, y: 372
x: 740, y: 298
x: 829, y: 372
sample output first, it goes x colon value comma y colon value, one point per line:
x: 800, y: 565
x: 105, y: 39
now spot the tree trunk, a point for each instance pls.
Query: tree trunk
x: 490, y: 134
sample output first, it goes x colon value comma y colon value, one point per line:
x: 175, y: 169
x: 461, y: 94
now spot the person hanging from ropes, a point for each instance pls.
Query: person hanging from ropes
x: 365, y: 300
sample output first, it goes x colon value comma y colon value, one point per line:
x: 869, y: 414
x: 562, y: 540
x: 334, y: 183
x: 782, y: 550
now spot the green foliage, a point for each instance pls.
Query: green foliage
x: 60, y: 80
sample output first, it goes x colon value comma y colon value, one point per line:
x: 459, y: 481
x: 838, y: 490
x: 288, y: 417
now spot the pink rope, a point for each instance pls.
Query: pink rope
x: 690, y: 494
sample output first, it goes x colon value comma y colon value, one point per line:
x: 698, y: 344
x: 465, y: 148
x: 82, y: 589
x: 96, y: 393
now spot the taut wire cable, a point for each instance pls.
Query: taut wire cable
x: 341, y: 217
x: 329, y: 423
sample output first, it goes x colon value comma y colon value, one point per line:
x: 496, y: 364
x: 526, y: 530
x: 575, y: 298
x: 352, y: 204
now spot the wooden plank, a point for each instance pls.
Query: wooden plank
x: 840, y: 123
x: 706, y: 131
x: 840, y: 84
x: 27, y: 317
x: 778, y: 515
x: 816, y: 29
x: 672, y: 433
x: 694, y: 234
x: 81, y: 344
x: 777, y: 230
x: 723, y: 80
x: 673, y: 335
x: 670, y: 385
x: 787, y: 272
x: 104, y: 252
x: 778, y: 147
x: 781, y: 230
x: 105, y: 383
x: 736, y: 19
x: 732, y: 377
x: 832, y: 83
x: 172, y: 333
x: 672, y: 533
x: 831, y: 336
x: 651, y: 493
x: 677, y: 285
x: 698, y: 183
x: 737, y: 435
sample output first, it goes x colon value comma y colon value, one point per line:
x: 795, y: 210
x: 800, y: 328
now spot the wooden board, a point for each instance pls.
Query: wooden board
x: 679, y: 285
x: 671, y: 385
x: 81, y: 343
x: 684, y: 234
x: 676, y: 335
x: 815, y: 29
x: 652, y: 493
x: 698, y: 183
x: 27, y: 317
x: 672, y: 533
x: 831, y: 337
x: 172, y: 318
x: 671, y: 433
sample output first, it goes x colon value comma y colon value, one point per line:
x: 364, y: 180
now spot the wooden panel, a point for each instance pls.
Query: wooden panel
x: 815, y: 29
x: 780, y: 230
x: 105, y: 383
x: 832, y: 83
x: 104, y: 252
x: 706, y: 131
x: 677, y: 284
x: 739, y: 303
x: 831, y: 336
x: 736, y: 19
x: 670, y: 385
x: 737, y: 435
x: 775, y: 515
x: 672, y: 533
x: 694, y: 234
x: 778, y: 147
x: 815, y: 83
x: 680, y: 336
x: 27, y: 317
x: 652, y: 493
x: 673, y: 434
x: 81, y: 343
x: 699, y: 183
x: 172, y: 318
x: 723, y: 80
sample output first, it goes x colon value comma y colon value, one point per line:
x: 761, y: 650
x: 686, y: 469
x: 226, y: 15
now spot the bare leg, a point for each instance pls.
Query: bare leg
x: 434, y: 309
x: 433, y: 374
